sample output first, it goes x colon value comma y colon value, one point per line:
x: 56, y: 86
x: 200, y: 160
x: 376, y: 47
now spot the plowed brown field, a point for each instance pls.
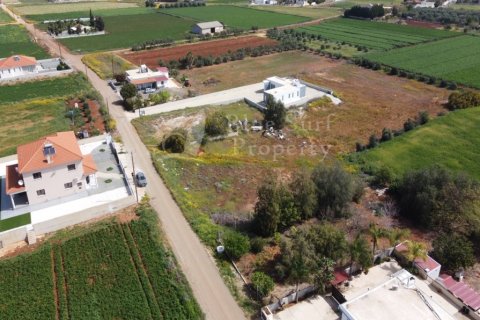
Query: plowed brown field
x: 205, y: 48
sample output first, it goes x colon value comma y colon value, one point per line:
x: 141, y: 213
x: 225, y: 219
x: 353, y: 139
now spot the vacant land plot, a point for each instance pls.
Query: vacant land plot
x: 387, y: 104
x: 106, y: 65
x: 85, y: 13
x: 314, y: 13
x: 68, y: 7
x: 118, y: 271
x: 450, y: 59
x: 126, y: 31
x: 14, y: 39
x: 206, y: 48
x: 4, y: 17
x: 33, y: 109
x: 374, y: 35
x: 451, y: 141
x: 239, y: 17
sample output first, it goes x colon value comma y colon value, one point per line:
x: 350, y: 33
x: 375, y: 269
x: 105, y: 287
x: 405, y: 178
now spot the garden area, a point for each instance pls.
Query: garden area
x: 14, y: 39
x: 40, y: 109
x: 71, y: 275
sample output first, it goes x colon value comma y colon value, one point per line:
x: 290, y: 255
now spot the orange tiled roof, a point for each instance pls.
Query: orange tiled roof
x: 89, y: 166
x: 17, y: 62
x: 31, y: 157
x: 12, y: 178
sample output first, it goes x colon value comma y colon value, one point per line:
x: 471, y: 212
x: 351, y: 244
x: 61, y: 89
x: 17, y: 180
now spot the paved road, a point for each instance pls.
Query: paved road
x: 196, y: 262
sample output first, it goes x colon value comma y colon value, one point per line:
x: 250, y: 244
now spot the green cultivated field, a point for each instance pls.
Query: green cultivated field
x: 451, y: 141
x: 4, y: 17
x: 118, y: 271
x: 127, y: 30
x: 456, y: 59
x: 239, y: 17
x: 374, y: 35
x: 45, y: 7
x: 31, y: 110
x: 85, y: 13
x: 14, y: 39
x: 314, y: 13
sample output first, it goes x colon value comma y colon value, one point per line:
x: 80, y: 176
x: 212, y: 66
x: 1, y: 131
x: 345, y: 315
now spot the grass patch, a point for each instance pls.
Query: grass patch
x: 439, y: 59
x: 106, y: 65
x: 451, y: 141
x: 5, y: 17
x: 15, y: 222
x: 126, y: 31
x: 46, y: 88
x: 14, y: 39
x: 45, y: 8
x: 239, y: 17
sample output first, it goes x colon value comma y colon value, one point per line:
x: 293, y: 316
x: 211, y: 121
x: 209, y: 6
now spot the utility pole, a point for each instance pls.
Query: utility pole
x: 60, y: 50
x: 113, y: 69
x: 133, y: 175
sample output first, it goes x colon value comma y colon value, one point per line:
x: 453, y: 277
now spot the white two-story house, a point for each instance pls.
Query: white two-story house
x: 50, y: 168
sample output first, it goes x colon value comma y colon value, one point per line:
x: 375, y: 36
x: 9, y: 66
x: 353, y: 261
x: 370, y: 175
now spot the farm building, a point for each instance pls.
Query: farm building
x: 264, y: 2
x: 283, y: 90
x: 49, y: 168
x: 16, y: 66
x: 207, y: 27
x: 145, y: 78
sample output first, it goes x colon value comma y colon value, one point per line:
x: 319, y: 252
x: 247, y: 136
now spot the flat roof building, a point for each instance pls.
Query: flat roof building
x: 285, y: 90
x: 145, y: 78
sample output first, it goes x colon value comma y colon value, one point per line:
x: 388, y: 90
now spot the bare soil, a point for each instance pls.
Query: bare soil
x: 214, y: 48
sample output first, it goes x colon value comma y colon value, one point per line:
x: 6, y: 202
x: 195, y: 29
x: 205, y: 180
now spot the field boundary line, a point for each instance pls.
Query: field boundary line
x: 55, y: 284
x: 125, y: 228
x: 65, y: 285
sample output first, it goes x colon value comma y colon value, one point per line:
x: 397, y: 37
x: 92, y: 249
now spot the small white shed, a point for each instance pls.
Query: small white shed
x: 207, y: 27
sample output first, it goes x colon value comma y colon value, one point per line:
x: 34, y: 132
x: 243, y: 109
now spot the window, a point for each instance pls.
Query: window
x: 68, y: 185
x: 41, y: 192
x: 71, y: 167
x: 37, y: 175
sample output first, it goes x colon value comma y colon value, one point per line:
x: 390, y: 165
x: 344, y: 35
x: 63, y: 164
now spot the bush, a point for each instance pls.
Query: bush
x: 423, y: 117
x: 128, y: 90
x: 463, y: 100
x: 409, y: 125
x: 386, y: 135
x: 262, y: 283
x: 216, y: 124
x: 257, y: 244
x: 175, y: 142
x: 236, y: 244
x: 453, y: 252
x: 372, y: 141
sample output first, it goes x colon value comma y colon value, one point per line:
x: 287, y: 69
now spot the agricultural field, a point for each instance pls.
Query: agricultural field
x: 214, y: 48
x: 345, y: 4
x: 14, y: 39
x: 314, y: 12
x: 48, y: 8
x: 451, y: 141
x: 450, y: 59
x: 125, y: 31
x: 374, y: 35
x: 85, y: 13
x: 72, y: 276
x: 4, y: 17
x: 39, y: 109
x: 106, y: 65
x: 239, y: 17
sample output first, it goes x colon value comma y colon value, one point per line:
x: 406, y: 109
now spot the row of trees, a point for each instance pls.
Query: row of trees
x: 57, y: 27
x: 150, y: 44
x: 179, y: 4
x: 325, y: 193
x: 375, y: 11
x: 445, y: 16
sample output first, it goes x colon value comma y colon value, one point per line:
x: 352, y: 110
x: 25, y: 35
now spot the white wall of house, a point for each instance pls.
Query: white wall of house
x: 17, y: 72
x: 53, y: 182
x: 196, y: 29
x: 283, y: 90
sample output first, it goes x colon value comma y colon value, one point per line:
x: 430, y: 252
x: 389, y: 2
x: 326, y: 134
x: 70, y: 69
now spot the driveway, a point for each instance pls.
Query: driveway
x: 195, y: 260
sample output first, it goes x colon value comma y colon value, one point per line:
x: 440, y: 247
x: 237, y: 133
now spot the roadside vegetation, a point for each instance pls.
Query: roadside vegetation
x: 4, y: 17
x: 107, y: 65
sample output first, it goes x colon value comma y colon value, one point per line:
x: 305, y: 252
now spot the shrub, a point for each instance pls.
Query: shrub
x: 262, y: 283
x: 128, y: 90
x: 386, y: 135
x: 463, y: 100
x: 423, y: 117
x: 236, y: 244
x: 409, y: 125
x: 372, y: 141
x: 257, y: 244
x: 175, y: 141
x: 216, y: 124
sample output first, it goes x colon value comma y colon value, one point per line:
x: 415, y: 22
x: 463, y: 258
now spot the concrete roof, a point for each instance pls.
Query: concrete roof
x: 210, y: 24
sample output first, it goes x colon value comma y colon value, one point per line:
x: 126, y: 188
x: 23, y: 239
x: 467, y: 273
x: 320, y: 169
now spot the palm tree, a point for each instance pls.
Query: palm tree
x: 376, y: 233
x: 396, y: 235
x: 360, y: 253
x: 416, y: 250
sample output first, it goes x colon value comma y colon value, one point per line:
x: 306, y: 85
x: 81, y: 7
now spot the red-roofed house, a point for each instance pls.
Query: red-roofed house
x: 50, y: 168
x: 144, y: 78
x: 427, y: 268
x: 17, y: 65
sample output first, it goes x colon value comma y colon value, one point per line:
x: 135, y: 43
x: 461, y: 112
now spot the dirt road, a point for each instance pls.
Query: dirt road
x: 196, y: 262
